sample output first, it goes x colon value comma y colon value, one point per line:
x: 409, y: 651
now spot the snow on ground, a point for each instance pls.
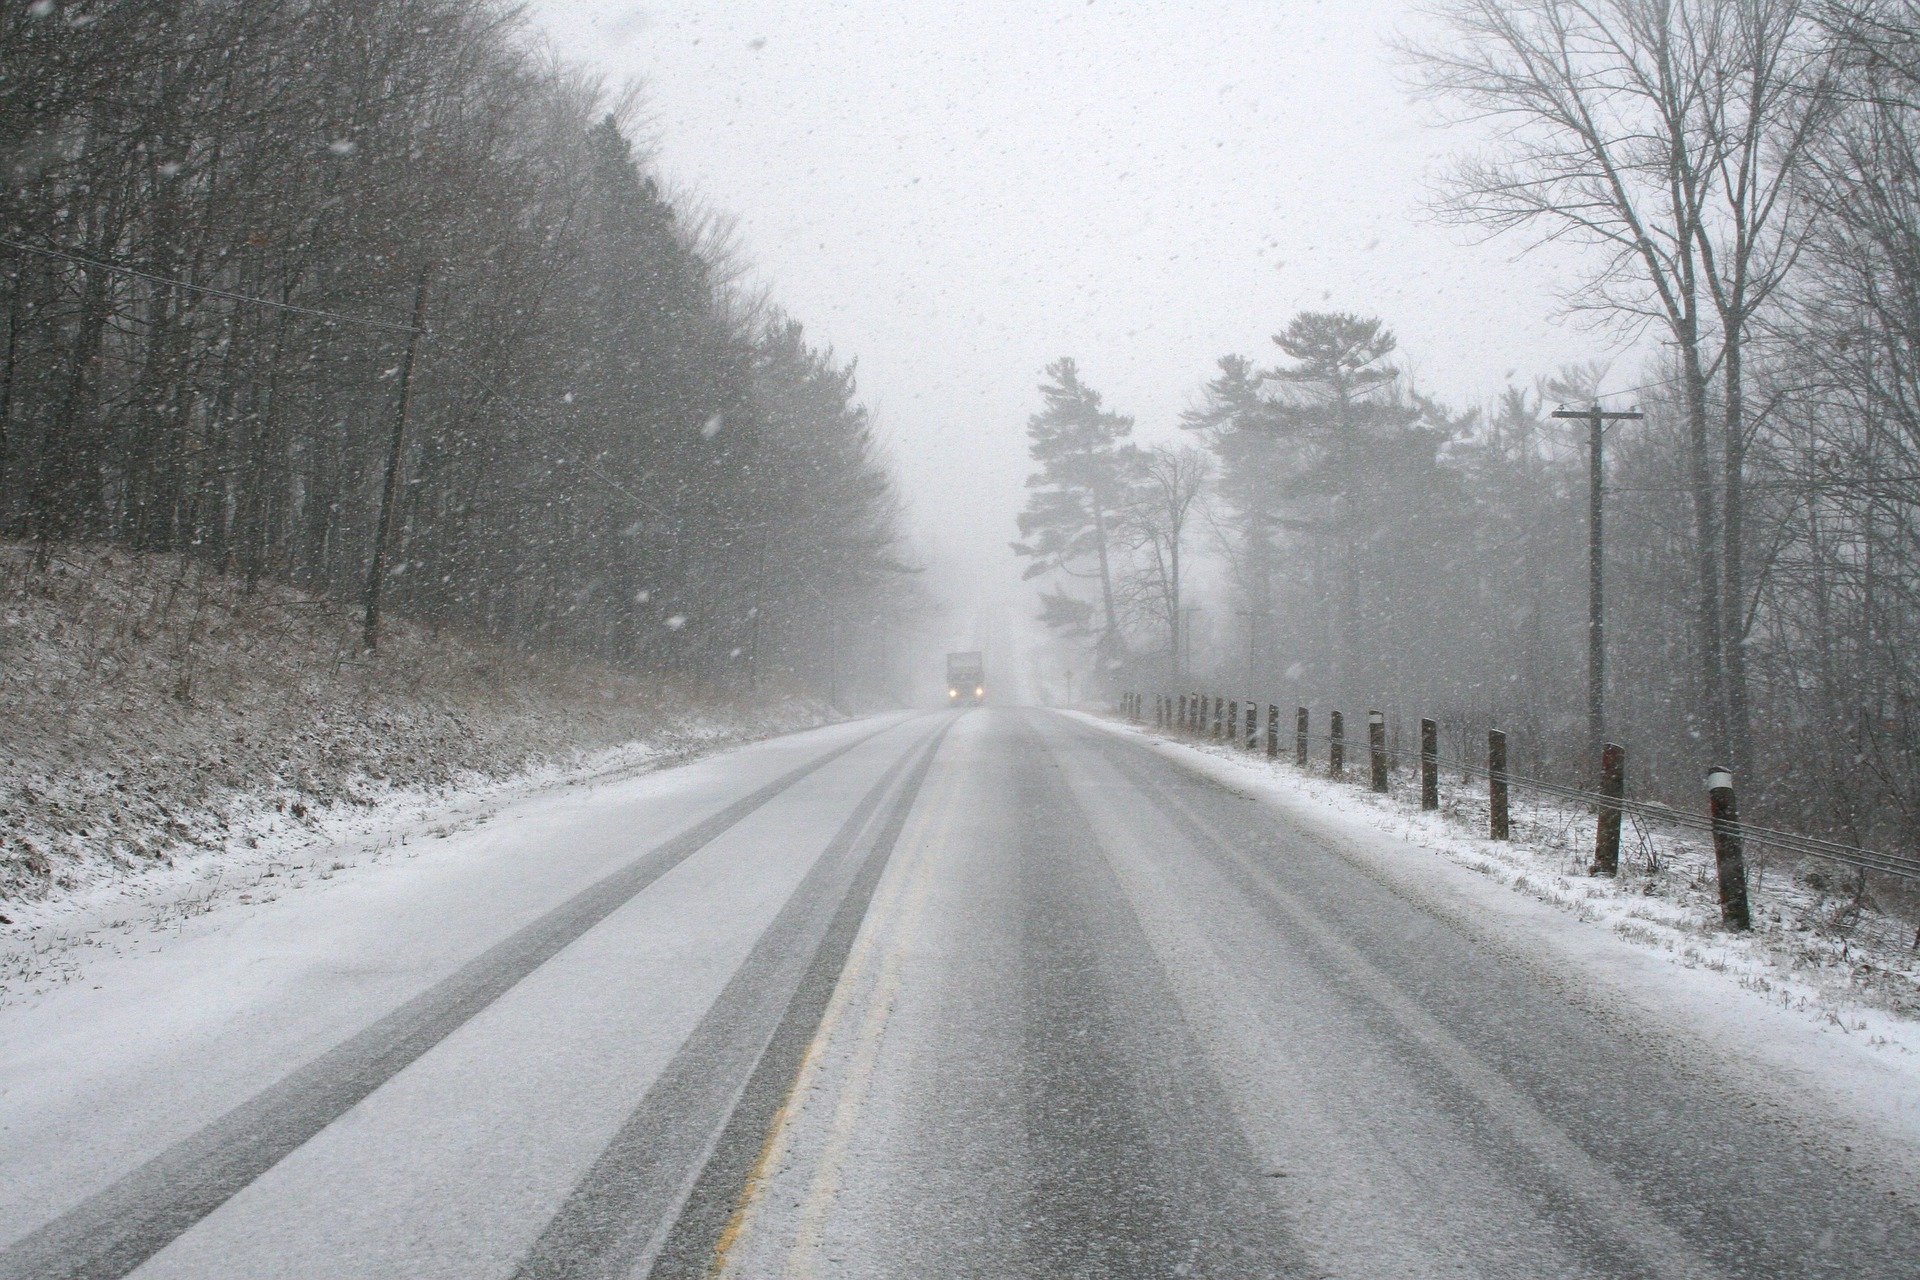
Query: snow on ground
x: 49, y: 941
x: 1820, y: 991
x: 173, y: 738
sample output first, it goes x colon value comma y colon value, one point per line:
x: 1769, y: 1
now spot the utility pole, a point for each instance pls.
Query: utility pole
x: 383, y: 531
x: 1596, y: 420
x: 1186, y: 634
x: 1249, y: 615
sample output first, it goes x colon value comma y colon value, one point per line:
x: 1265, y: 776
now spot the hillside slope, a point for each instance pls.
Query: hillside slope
x: 153, y: 708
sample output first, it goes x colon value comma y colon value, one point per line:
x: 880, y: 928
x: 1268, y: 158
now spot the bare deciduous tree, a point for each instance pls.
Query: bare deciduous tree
x: 1153, y: 526
x: 1665, y: 134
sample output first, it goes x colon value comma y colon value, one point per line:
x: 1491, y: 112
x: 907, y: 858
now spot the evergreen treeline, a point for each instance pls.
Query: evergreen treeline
x: 607, y: 446
x: 1763, y: 520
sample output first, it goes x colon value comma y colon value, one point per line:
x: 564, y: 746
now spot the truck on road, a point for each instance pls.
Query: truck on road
x: 966, y: 680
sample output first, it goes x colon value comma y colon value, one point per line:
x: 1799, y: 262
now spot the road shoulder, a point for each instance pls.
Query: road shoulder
x: 1855, y: 1096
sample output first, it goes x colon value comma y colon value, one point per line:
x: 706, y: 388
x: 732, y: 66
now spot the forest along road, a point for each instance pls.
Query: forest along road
x: 994, y: 993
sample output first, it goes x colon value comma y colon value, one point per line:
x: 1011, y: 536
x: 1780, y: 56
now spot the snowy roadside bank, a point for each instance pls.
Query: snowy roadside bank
x: 173, y: 736
x: 268, y: 854
x: 1787, y: 1003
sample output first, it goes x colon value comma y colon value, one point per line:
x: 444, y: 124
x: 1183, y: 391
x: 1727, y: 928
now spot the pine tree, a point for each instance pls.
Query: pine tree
x: 1081, y: 484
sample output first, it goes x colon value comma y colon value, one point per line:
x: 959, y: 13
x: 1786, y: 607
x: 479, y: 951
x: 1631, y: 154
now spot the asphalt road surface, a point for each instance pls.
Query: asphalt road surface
x: 994, y: 993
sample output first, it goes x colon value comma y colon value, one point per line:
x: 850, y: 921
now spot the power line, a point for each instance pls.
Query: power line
x: 463, y: 367
x: 209, y: 290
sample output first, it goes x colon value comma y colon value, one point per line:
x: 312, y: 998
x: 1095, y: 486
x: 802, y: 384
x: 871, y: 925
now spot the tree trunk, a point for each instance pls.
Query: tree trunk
x: 1110, y: 638
x: 1706, y: 540
x: 1739, y: 723
x: 1173, y: 614
x: 65, y: 500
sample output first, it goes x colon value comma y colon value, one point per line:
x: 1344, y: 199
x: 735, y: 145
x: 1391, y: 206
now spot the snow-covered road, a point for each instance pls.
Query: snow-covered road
x: 997, y: 993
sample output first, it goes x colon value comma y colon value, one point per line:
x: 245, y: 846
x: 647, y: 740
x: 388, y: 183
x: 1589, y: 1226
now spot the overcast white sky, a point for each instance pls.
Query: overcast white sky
x: 958, y: 193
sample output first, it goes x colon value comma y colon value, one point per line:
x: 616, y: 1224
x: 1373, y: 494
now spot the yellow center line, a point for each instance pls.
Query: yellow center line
x: 864, y: 1060
x: 781, y: 1133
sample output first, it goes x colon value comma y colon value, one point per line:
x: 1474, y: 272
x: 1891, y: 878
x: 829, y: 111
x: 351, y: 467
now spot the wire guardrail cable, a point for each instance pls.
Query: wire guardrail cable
x: 1893, y: 864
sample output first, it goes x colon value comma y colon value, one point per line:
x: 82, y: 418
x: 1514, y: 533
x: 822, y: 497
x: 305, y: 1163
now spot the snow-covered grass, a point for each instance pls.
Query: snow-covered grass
x: 1816, y: 949
x: 169, y: 731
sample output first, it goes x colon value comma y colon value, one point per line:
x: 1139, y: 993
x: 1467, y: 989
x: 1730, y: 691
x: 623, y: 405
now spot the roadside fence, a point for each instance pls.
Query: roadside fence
x: 1237, y: 722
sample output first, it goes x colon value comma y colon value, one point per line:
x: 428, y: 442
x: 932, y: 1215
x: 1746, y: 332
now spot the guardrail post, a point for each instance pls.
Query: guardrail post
x: 1497, y: 824
x: 1273, y: 730
x: 1253, y: 726
x: 1302, y: 721
x: 1377, y: 748
x: 1219, y: 712
x: 1233, y: 721
x: 1606, y: 832
x: 1729, y: 857
x: 1429, y: 764
x: 1336, y: 745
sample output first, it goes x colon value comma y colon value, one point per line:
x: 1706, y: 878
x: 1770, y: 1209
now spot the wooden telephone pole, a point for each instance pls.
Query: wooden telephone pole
x: 1596, y: 420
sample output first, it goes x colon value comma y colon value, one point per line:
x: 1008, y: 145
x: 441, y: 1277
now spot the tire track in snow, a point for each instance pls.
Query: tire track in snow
x: 119, y: 1228
x: 659, y: 1198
